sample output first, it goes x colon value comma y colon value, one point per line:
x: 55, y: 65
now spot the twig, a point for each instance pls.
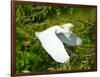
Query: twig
x: 23, y: 14
x: 93, y: 54
x: 36, y: 13
x: 79, y: 20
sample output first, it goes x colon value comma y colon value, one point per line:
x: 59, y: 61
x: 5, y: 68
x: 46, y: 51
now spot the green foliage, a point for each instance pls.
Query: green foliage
x: 30, y: 55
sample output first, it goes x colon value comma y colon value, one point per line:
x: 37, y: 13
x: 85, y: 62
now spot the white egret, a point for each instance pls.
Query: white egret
x: 52, y: 40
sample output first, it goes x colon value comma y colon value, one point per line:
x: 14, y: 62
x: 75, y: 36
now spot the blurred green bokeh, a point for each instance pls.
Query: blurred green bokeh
x: 30, y: 55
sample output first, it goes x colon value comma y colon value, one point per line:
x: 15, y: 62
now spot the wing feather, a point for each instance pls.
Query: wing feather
x: 69, y: 38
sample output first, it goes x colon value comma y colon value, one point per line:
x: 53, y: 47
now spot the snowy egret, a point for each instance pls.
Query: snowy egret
x: 52, y: 40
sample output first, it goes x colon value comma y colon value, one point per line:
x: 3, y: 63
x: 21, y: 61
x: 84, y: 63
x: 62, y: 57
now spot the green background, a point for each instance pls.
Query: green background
x: 30, y: 55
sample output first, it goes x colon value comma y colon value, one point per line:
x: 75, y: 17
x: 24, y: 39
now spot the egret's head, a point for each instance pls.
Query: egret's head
x: 67, y: 26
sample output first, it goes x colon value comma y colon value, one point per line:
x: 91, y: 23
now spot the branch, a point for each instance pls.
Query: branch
x: 36, y: 13
x: 82, y: 21
x: 78, y: 20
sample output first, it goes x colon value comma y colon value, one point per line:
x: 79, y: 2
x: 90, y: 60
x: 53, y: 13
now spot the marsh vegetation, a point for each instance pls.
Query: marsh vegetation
x: 30, y: 55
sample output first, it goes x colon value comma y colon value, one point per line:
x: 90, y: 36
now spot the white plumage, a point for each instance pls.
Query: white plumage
x: 52, y: 40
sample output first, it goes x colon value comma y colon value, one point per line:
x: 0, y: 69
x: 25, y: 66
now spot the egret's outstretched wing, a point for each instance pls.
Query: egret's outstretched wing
x: 53, y: 45
x: 69, y: 38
